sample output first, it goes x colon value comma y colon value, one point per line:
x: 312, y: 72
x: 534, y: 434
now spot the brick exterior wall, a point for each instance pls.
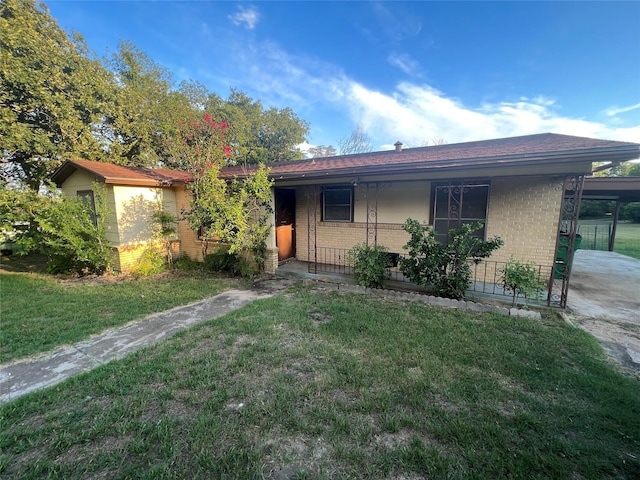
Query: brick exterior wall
x: 522, y: 211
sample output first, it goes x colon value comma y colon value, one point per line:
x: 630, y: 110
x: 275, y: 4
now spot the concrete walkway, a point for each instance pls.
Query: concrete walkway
x: 22, y: 377
x: 604, y: 300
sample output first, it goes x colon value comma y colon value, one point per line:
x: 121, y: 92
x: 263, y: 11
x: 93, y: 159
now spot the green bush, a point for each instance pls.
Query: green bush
x: 152, y: 261
x: 444, y: 268
x: 70, y: 232
x: 233, y: 263
x: 370, y: 264
x: 521, y: 279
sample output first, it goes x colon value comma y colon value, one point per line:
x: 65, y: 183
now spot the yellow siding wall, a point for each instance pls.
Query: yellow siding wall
x: 80, y: 180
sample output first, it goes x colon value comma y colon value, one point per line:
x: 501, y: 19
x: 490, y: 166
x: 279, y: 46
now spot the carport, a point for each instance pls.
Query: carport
x: 620, y: 189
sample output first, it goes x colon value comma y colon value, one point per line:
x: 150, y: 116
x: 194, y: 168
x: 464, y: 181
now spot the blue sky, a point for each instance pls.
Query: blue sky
x: 408, y: 71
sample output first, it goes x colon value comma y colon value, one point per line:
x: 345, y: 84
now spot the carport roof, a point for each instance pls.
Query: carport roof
x: 624, y: 189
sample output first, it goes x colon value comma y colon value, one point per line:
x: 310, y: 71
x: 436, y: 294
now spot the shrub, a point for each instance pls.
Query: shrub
x: 70, y: 232
x: 223, y: 261
x: 444, y: 268
x: 370, y: 264
x: 521, y: 279
x: 151, y: 262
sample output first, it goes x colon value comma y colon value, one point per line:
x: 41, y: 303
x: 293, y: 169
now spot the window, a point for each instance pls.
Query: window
x: 337, y: 204
x: 458, y: 203
x: 86, y: 197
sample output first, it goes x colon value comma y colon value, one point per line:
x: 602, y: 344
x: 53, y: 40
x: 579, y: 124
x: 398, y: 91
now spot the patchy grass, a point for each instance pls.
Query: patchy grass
x: 41, y: 312
x: 628, y: 240
x: 319, y: 384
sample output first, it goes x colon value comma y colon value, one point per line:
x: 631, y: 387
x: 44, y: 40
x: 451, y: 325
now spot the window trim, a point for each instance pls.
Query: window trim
x: 350, y: 189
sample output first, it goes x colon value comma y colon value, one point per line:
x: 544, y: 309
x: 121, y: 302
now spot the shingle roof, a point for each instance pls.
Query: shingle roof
x: 539, y: 148
x: 120, y: 175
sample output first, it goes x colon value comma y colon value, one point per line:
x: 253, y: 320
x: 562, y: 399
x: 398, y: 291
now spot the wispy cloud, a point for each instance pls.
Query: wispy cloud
x: 611, y: 111
x: 415, y: 113
x: 248, y: 17
x: 410, y: 112
x: 404, y: 62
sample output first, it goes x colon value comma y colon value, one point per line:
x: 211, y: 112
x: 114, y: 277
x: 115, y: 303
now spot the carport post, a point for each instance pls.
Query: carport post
x: 612, y: 238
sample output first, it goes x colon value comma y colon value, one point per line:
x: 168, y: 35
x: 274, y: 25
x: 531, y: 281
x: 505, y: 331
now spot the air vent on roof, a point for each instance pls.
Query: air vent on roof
x: 398, y: 146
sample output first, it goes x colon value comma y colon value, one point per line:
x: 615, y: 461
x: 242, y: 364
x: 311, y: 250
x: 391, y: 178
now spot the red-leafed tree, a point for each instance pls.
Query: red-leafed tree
x: 233, y: 212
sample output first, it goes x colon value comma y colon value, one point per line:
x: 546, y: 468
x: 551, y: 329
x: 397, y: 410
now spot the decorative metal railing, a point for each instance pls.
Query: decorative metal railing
x: 486, y: 280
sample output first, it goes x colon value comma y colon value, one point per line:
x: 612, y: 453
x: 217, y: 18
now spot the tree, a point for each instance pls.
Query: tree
x: 357, y: 142
x: 321, y: 151
x: 51, y: 94
x: 257, y: 135
x: 145, y: 110
x: 232, y: 212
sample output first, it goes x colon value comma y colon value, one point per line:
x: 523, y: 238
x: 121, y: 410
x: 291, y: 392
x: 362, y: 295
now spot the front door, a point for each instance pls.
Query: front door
x: 285, y: 223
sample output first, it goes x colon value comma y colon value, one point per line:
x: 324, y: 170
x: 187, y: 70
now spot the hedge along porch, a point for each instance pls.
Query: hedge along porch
x: 516, y: 185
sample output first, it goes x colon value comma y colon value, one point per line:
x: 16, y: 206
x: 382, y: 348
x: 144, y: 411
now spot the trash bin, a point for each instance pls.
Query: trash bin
x: 561, y: 254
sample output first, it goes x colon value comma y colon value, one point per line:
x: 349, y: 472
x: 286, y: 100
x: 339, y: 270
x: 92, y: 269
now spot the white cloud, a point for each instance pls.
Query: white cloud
x: 611, y: 111
x: 412, y: 113
x: 249, y: 17
x: 404, y: 62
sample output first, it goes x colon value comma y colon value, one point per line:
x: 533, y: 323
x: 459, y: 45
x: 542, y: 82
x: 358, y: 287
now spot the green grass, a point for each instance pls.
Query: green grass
x: 321, y: 384
x: 628, y: 240
x: 40, y: 312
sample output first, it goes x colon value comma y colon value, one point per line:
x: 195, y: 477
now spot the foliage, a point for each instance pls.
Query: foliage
x: 52, y: 94
x: 72, y: 234
x: 370, y: 264
x: 165, y: 227
x: 521, y: 279
x: 445, y: 268
x: 58, y: 101
x: 152, y: 261
x: 221, y: 260
x: 233, y: 212
x: 625, y: 169
x: 257, y: 135
x: 597, y: 209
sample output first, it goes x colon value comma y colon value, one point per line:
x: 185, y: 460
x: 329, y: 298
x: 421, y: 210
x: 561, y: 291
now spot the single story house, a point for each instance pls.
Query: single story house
x: 526, y: 189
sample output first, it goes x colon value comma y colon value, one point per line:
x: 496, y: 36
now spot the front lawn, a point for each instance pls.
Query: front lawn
x: 319, y: 384
x: 39, y: 312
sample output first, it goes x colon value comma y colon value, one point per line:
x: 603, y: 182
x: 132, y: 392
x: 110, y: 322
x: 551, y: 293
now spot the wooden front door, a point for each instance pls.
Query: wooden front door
x: 285, y: 223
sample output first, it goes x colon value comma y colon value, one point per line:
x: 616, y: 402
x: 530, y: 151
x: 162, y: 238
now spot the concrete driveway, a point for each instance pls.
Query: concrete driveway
x: 604, y: 300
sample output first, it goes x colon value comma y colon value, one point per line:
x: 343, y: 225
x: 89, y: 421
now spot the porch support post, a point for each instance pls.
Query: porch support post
x: 271, y: 260
x: 312, y: 218
x: 569, y: 225
x: 372, y: 214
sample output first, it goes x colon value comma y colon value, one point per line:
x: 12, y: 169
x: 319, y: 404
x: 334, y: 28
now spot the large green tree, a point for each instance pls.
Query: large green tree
x: 146, y: 110
x: 52, y: 94
x: 258, y: 135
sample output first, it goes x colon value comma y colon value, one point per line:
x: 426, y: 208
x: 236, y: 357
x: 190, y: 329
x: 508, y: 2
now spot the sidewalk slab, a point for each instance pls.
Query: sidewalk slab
x: 22, y: 377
